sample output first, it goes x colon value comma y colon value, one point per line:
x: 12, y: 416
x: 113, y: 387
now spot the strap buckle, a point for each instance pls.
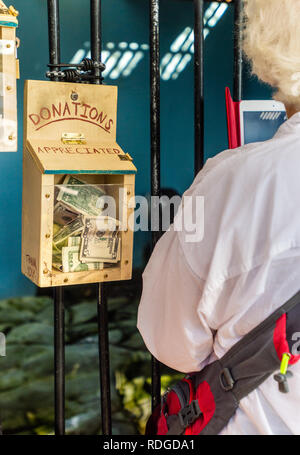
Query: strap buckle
x: 189, y: 414
x: 226, y: 380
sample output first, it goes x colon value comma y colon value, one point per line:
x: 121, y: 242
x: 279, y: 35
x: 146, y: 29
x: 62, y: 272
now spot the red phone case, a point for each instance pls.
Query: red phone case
x: 233, y: 120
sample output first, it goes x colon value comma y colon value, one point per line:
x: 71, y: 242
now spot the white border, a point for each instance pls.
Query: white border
x: 257, y: 106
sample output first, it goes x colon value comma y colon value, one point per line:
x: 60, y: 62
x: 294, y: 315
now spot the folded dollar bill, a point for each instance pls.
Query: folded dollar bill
x: 100, y: 240
x: 56, y: 228
x: 62, y: 215
x: 57, y: 261
x: 72, y: 263
x: 69, y: 230
x: 81, y: 196
x: 74, y: 241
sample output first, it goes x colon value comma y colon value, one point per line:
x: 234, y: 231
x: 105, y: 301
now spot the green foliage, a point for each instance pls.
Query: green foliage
x: 26, y: 373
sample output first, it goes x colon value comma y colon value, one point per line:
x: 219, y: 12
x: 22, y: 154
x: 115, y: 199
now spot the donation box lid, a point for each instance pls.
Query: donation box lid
x: 71, y: 128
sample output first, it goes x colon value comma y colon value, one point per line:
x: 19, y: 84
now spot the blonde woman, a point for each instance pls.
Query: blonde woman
x: 200, y: 298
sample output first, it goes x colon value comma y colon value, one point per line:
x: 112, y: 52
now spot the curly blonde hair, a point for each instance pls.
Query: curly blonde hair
x: 272, y: 44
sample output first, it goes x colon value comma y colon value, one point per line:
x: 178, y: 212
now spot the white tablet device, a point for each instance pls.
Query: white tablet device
x: 259, y: 120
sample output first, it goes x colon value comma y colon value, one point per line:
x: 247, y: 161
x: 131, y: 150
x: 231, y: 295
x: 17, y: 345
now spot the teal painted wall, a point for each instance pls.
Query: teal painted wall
x: 123, y: 21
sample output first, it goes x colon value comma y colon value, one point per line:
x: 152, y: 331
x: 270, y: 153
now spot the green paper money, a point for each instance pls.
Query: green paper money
x: 83, y: 198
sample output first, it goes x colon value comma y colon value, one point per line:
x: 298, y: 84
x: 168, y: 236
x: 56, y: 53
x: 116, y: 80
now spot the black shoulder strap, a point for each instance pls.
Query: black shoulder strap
x: 240, y: 371
x: 264, y: 325
x: 243, y: 368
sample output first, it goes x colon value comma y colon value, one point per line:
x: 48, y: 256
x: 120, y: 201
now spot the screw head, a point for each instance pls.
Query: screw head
x: 74, y: 96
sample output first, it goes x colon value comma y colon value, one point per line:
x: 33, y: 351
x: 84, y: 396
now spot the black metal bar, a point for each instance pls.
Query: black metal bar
x: 54, y: 32
x: 238, y: 51
x: 96, y: 35
x: 59, y: 316
x: 102, y: 315
x: 59, y: 360
x: 198, y: 86
x: 104, y: 360
x: 155, y: 155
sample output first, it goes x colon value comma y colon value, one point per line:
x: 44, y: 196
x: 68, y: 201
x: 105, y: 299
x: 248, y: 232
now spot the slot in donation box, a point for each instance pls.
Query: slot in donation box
x: 9, y: 73
x: 78, y: 186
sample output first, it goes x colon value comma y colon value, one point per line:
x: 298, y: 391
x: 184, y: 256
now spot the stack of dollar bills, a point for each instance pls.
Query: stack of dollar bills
x: 83, y: 238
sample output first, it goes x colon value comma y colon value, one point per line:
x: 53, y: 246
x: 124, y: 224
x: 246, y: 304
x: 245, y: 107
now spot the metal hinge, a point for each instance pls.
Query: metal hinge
x: 125, y: 157
x: 73, y: 138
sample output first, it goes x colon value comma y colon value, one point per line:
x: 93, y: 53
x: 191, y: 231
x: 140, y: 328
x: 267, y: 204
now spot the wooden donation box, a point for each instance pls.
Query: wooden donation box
x: 78, y: 186
x: 9, y: 73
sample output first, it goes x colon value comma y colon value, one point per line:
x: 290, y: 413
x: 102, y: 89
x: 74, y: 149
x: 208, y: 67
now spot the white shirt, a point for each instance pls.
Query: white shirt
x: 199, y: 299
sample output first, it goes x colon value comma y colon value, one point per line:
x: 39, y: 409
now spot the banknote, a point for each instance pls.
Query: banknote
x: 57, y: 248
x: 57, y: 261
x: 56, y: 192
x: 69, y: 230
x: 99, y: 242
x: 107, y: 263
x: 83, y: 198
x: 72, y: 263
x: 74, y: 241
x: 62, y: 215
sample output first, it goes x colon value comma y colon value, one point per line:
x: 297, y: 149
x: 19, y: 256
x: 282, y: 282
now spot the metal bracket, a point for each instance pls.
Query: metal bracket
x: 72, y: 72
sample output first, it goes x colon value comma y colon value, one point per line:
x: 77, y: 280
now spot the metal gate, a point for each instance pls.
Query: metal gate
x: 198, y: 108
x: 56, y: 70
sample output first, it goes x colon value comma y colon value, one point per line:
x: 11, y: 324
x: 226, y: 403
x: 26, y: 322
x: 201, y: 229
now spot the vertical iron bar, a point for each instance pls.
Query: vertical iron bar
x: 102, y: 315
x: 96, y: 35
x: 104, y: 360
x: 59, y: 311
x: 238, y: 51
x: 198, y: 86
x: 155, y: 155
x: 59, y: 360
x: 54, y: 32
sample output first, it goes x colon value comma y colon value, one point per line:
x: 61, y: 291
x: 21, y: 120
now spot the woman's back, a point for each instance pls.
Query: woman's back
x: 200, y: 298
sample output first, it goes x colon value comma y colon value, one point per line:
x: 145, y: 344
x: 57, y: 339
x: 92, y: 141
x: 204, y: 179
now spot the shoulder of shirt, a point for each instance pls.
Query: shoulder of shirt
x: 219, y: 160
x: 245, y: 155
